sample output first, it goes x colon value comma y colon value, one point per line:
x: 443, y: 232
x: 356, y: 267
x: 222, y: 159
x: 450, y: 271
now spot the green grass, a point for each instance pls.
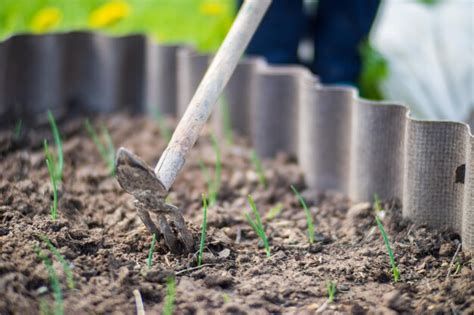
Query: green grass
x: 167, y: 21
x: 150, y: 252
x: 54, y: 280
x: 395, y: 271
x: 309, y: 217
x: 331, y: 289
x: 257, y: 225
x: 213, y: 183
x: 106, y: 149
x: 203, y: 229
x: 18, y: 129
x: 170, y: 296
x: 56, y: 164
x: 66, y: 266
x: 274, y: 211
x: 51, y: 167
x: 377, y: 203
x: 257, y: 163
x: 160, y: 120
x: 226, y: 120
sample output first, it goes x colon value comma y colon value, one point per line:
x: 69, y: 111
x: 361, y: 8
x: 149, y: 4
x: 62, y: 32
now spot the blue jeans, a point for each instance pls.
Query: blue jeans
x: 337, y: 30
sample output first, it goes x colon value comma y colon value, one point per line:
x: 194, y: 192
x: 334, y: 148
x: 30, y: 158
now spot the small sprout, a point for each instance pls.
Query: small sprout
x: 160, y: 120
x: 395, y: 271
x: 51, y: 170
x: 226, y: 121
x: 331, y: 288
x: 150, y: 252
x: 274, y: 211
x: 203, y: 228
x: 107, y: 151
x: 257, y: 225
x: 309, y: 217
x: 377, y: 204
x: 59, y: 166
x: 226, y: 298
x: 170, y: 296
x: 257, y: 163
x: 458, y: 266
x: 54, y: 280
x: 213, y: 184
x: 66, y: 266
x: 18, y: 129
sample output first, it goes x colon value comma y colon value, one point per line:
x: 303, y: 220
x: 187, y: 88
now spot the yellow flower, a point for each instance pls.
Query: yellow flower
x: 212, y: 9
x: 46, y: 19
x: 109, y: 14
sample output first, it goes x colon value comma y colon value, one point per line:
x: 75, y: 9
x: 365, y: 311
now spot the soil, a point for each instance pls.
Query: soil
x: 99, y: 233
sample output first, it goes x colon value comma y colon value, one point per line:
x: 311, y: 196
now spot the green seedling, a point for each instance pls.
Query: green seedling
x: 58, y: 166
x: 257, y: 163
x: 274, y: 211
x: 257, y: 225
x: 226, y: 121
x: 203, y: 229
x: 107, y: 150
x: 51, y: 170
x: 66, y: 266
x: 150, y: 252
x: 377, y: 204
x: 213, y: 184
x: 395, y: 271
x: 309, y: 217
x: 170, y: 296
x: 54, y: 280
x: 226, y: 298
x: 161, y: 121
x: 331, y: 289
x: 17, y: 130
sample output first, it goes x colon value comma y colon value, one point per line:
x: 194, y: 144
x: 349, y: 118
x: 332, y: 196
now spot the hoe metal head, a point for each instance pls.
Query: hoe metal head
x: 139, y: 180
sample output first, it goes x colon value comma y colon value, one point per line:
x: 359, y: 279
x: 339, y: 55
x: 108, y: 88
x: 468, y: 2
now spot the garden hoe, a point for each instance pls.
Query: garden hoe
x: 150, y: 187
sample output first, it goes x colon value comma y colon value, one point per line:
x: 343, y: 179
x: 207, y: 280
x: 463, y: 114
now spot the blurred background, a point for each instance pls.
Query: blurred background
x: 416, y: 52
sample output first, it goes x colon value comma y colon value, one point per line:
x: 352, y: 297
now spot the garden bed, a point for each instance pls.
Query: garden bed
x: 99, y: 233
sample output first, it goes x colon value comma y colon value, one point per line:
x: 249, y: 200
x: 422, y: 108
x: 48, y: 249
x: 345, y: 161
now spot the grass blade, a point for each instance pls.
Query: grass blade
x: 17, y: 130
x: 395, y: 271
x: 150, y: 252
x: 331, y: 289
x: 257, y: 225
x: 54, y: 280
x: 309, y: 217
x: 274, y: 211
x: 62, y: 260
x: 203, y: 229
x: 170, y: 296
x: 107, y: 153
x: 59, y: 145
x: 51, y: 170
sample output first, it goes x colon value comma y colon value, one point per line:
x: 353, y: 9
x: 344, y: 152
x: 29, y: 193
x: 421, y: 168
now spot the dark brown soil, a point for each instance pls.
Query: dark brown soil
x: 99, y: 233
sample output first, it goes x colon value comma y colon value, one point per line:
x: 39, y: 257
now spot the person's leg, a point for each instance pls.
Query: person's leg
x: 339, y: 29
x: 278, y: 35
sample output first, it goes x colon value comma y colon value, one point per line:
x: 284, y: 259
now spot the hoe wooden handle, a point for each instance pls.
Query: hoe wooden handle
x: 209, y: 90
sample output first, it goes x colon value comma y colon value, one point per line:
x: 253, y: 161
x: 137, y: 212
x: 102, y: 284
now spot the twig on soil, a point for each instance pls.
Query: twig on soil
x: 51, y: 170
x: 193, y: 268
x: 170, y: 296
x: 139, y: 302
x: 257, y: 225
x: 107, y: 151
x: 257, y: 163
x: 55, y: 286
x: 395, y: 271
x: 59, y: 166
x: 62, y: 260
x: 309, y: 217
x: 203, y: 228
x: 150, y: 252
x: 452, y: 261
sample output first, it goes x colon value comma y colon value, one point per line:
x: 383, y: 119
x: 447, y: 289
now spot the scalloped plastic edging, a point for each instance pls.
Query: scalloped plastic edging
x: 342, y: 142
